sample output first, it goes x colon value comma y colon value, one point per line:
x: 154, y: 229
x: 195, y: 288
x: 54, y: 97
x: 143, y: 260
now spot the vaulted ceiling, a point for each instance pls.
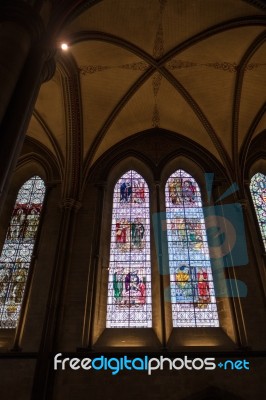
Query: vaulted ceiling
x: 194, y: 67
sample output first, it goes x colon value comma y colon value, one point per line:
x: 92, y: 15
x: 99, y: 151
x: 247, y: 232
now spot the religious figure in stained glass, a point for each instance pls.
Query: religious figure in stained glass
x: 118, y: 285
x: 192, y: 291
x: 17, y: 250
x: 258, y: 193
x: 130, y: 234
x: 122, y: 234
x: 185, y: 287
x: 203, y: 288
x: 125, y: 192
x: 137, y: 233
x: 129, y: 287
x: 181, y: 189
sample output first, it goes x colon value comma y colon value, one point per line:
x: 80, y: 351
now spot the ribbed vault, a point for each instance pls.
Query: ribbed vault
x: 194, y: 68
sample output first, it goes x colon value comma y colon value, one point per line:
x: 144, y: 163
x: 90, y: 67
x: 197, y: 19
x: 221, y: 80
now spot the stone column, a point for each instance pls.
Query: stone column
x: 23, y: 64
x: 234, y: 274
x: 88, y: 328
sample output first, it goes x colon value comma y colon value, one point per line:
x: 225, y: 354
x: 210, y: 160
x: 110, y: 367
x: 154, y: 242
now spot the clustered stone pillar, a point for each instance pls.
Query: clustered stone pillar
x: 161, y: 264
x: 15, y: 43
x: 94, y: 267
x: 43, y: 379
x: 23, y: 67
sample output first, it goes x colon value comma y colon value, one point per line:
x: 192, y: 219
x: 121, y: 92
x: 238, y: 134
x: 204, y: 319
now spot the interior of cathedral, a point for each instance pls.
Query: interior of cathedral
x: 132, y: 199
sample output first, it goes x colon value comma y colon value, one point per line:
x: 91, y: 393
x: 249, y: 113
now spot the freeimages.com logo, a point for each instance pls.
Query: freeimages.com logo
x: 226, y: 241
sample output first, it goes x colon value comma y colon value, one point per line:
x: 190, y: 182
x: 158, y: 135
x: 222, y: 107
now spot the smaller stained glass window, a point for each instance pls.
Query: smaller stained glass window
x: 129, y: 285
x: 258, y: 193
x: 17, y: 250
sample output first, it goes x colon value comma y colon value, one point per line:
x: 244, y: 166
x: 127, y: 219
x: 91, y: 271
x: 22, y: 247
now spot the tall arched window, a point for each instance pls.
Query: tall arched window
x: 129, y: 284
x: 17, y: 250
x: 258, y: 193
x: 191, y: 283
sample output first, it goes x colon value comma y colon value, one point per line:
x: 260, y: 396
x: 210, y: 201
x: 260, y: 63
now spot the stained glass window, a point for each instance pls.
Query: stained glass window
x: 17, y: 250
x: 191, y: 283
x: 129, y: 284
x: 258, y: 193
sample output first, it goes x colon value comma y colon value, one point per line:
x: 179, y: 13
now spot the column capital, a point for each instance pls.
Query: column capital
x: 69, y: 203
x: 23, y: 14
x: 218, y: 182
x: 52, y: 183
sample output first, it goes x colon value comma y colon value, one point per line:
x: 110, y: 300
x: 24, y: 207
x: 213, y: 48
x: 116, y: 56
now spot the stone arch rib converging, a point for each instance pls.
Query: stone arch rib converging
x: 129, y: 284
x: 17, y: 251
x: 191, y: 281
